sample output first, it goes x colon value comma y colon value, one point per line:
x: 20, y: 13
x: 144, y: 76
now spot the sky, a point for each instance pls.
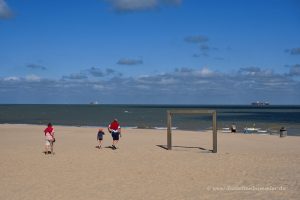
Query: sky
x: 150, y: 51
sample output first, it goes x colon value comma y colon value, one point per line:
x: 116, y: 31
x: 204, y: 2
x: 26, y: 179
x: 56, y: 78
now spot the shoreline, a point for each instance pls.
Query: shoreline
x: 159, y: 128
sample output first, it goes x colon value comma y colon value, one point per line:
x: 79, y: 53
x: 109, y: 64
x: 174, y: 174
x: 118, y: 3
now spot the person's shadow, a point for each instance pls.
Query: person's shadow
x: 107, y: 147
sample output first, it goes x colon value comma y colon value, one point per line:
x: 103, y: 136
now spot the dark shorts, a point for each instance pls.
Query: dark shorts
x: 100, y: 135
x: 115, y: 135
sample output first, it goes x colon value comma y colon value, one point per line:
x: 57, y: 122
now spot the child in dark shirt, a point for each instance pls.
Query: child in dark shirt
x: 100, y: 137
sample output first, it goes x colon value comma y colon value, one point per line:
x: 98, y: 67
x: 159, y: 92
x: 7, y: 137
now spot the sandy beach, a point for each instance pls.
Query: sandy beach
x: 245, y: 167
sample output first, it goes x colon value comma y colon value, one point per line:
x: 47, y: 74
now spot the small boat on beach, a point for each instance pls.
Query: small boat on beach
x: 254, y: 130
x: 226, y: 130
x: 250, y: 130
x: 262, y: 131
x: 164, y: 128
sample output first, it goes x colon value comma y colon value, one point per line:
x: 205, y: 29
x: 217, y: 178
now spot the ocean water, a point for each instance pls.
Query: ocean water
x: 270, y: 118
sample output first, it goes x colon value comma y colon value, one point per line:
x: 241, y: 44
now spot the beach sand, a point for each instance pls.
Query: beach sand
x: 245, y: 167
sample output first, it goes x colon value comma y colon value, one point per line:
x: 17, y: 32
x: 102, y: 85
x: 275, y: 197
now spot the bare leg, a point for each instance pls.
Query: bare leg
x: 46, y: 148
x: 114, y: 143
x: 51, y: 145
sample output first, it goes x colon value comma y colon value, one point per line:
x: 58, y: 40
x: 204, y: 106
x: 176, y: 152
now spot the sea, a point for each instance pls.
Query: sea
x: 270, y: 118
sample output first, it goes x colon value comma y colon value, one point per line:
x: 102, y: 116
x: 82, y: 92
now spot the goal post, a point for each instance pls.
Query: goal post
x: 170, y: 113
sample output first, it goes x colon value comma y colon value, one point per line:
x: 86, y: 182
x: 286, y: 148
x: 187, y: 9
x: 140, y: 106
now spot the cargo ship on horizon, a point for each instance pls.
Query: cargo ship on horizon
x: 259, y: 103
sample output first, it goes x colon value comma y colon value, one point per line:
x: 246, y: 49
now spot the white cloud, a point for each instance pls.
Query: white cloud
x: 293, y: 51
x: 168, y: 81
x: 196, y: 39
x: 32, y: 78
x: 98, y: 87
x: 129, y: 61
x: 5, y: 11
x: 130, y: 5
x: 78, y: 76
x: 143, y: 87
x: 36, y: 66
x: 205, y: 72
x: 11, y: 78
x: 137, y: 5
x: 295, y: 70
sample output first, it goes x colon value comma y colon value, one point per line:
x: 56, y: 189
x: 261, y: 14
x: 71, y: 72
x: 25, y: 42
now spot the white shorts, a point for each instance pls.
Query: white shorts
x: 48, y: 139
x: 47, y: 142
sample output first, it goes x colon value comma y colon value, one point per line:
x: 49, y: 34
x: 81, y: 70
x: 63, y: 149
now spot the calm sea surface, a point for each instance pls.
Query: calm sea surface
x: 270, y: 118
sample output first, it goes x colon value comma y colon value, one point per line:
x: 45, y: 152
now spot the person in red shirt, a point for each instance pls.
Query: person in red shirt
x: 115, y: 129
x: 49, y: 139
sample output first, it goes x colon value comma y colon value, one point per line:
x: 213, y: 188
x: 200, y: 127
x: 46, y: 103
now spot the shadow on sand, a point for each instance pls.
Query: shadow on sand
x: 107, y: 147
x: 185, y: 147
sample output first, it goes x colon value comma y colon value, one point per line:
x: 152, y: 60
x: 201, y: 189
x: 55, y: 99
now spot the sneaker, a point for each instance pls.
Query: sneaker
x: 114, y: 147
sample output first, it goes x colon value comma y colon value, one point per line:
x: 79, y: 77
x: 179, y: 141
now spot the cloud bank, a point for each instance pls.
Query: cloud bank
x: 183, y: 85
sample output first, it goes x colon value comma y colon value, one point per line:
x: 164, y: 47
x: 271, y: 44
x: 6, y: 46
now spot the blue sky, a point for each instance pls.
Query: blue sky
x: 150, y: 51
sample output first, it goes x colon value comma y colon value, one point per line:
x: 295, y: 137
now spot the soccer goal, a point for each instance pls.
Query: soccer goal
x: 170, y: 114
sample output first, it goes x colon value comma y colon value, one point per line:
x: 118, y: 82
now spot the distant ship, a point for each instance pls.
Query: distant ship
x: 259, y: 103
x: 94, y: 103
